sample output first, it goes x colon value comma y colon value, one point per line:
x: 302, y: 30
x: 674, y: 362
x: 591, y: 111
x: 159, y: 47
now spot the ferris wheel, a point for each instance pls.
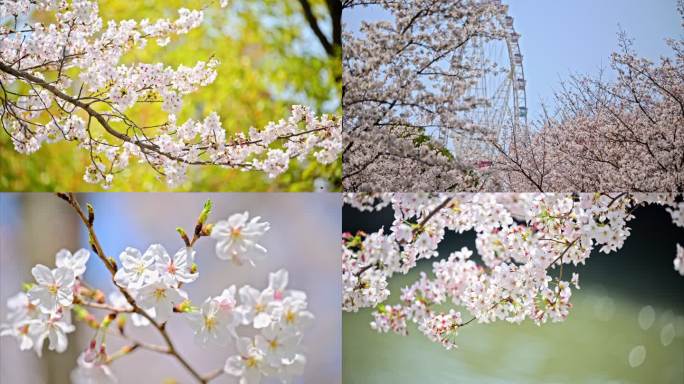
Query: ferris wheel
x: 499, y: 89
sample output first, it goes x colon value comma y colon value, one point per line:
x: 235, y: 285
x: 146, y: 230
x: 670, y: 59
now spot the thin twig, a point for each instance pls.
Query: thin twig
x: 88, y: 221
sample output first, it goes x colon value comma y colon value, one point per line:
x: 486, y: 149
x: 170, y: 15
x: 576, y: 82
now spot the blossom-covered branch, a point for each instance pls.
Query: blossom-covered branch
x: 523, y: 242
x: 149, y: 289
x: 407, y: 78
x: 410, y: 76
x: 624, y: 134
x: 80, y: 92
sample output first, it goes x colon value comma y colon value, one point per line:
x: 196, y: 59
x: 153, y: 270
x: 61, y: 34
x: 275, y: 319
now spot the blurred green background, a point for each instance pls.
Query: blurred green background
x: 269, y: 60
x: 628, y: 299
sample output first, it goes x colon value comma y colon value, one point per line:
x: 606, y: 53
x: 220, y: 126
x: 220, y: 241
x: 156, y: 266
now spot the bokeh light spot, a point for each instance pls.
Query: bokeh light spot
x: 667, y: 334
x: 637, y: 356
x: 646, y: 317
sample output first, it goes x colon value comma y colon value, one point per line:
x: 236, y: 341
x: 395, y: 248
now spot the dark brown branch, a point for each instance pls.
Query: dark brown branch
x: 313, y: 23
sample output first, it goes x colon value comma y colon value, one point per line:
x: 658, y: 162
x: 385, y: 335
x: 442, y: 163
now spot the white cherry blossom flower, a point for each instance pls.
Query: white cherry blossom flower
x: 136, y: 268
x: 76, y: 262
x: 237, y: 238
x: 161, y: 298
x: 90, y: 371
x: 679, y: 260
x: 54, y: 327
x: 54, y: 288
x: 248, y: 365
x: 292, y: 368
x: 255, y: 307
x: 213, y: 323
x: 226, y: 300
x: 21, y: 311
x: 20, y: 331
x: 176, y: 269
x: 277, y: 344
x: 293, y: 314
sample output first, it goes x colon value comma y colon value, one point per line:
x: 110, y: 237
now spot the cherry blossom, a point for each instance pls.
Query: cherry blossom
x: 608, y: 135
x: 237, y: 238
x: 64, y: 79
x: 679, y: 260
x: 523, y: 242
x: 248, y: 365
x: 409, y: 77
x: 54, y: 289
x: 293, y: 314
x: 278, y: 344
x: 76, y: 262
x: 213, y: 322
x: 137, y: 268
x: 89, y: 371
x: 256, y: 306
x: 177, y: 269
x: 22, y: 311
x: 407, y: 74
x: 54, y: 327
x: 160, y: 297
x: 265, y: 327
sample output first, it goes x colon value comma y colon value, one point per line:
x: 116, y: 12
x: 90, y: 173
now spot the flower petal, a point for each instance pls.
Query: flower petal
x: 42, y: 274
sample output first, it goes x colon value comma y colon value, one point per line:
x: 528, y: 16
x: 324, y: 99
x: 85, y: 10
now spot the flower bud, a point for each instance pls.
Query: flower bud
x: 205, y: 212
x: 99, y: 296
x: 206, y: 229
x: 183, y: 236
x: 185, y: 306
x: 27, y: 286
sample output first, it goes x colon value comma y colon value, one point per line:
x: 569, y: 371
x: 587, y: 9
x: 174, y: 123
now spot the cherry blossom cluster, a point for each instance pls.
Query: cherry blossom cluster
x: 614, y: 135
x: 677, y: 214
x: 522, y: 243
x: 64, y: 81
x: 265, y: 326
x: 408, y: 77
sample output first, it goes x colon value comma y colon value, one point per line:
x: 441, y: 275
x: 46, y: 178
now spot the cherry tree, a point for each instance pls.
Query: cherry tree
x: 265, y: 326
x: 623, y: 134
x: 65, y: 80
x: 404, y: 77
x: 407, y: 77
x: 522, y: 240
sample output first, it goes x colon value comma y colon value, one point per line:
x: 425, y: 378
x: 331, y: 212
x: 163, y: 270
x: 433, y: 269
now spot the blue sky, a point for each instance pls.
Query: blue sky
x: 562, y: 37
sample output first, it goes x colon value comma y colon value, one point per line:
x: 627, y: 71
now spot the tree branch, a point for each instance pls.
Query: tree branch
x: 88, y: 220
x: 313, y: 23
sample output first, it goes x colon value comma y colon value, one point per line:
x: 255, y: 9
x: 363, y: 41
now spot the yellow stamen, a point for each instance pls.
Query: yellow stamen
x: 251, y: 362
x: 159, y: 293
x: 290, y: 317
x: 235, y: 232
x: 139, y: 269
x: 209, y: 322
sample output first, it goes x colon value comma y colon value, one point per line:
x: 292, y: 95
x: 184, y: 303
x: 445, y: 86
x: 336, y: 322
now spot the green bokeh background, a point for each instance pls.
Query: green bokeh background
x: 591, y: 346
x: 269, y: 60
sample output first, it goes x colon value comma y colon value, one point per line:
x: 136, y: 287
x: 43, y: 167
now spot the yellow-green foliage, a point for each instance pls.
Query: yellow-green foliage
x: 269, y: 60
